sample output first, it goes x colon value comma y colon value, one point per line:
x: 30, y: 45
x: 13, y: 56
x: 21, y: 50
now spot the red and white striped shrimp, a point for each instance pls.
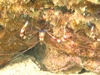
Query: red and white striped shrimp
x: 23, y: 30
x: 42, y: 33
x: 93, y: 34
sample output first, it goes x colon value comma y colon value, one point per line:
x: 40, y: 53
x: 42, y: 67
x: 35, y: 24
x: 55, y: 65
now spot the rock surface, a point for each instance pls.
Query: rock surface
x: 27, y: 65
x: 68, y: 32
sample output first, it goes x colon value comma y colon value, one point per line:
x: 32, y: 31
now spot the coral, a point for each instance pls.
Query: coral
x: 71, y: 28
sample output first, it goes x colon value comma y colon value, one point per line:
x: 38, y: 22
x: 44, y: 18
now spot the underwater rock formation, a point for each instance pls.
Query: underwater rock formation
x: 68, y: 27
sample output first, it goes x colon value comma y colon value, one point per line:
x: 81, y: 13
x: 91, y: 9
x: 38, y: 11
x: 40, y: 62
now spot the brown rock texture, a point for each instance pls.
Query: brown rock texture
x: 69, y: 29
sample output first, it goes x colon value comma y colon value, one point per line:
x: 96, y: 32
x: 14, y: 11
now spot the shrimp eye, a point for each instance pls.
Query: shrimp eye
x: 90, y: 24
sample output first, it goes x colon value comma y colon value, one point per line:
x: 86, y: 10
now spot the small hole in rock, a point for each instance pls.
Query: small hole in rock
x: 2, y: 32
x: 82, y: 71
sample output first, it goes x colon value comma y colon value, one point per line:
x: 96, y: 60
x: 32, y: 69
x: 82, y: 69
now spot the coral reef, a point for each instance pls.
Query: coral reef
x: 70, y: 30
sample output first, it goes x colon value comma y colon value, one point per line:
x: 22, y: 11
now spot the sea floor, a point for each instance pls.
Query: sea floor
x: 27, y: 65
